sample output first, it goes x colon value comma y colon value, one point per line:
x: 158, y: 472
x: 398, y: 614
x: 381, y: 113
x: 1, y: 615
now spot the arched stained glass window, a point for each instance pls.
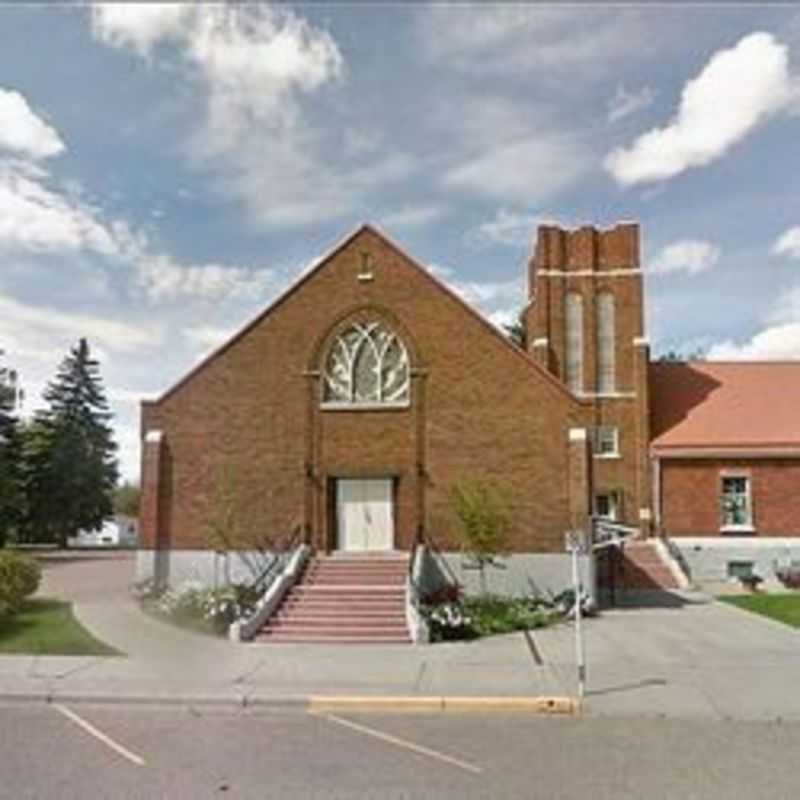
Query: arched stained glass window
x: 367, y: 364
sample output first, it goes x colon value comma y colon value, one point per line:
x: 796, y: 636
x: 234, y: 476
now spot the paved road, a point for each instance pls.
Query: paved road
x: 47, y: 752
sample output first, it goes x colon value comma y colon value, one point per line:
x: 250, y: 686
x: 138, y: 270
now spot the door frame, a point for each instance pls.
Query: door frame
x: 332, y: 543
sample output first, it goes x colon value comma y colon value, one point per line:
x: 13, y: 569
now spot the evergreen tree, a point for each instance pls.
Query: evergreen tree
x: 69, y: 469
x: 10, y: 495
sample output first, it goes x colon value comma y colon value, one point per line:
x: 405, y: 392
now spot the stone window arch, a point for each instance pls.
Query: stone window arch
x: 366, y: 365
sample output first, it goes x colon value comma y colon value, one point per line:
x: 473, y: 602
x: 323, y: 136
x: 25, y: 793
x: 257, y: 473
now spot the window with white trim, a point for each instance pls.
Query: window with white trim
x: 367, y: 365
x: 736, y: 504
x: 606, y: 505
x: 606, y: 441
x: 606, y: 344
x: 574, y: 341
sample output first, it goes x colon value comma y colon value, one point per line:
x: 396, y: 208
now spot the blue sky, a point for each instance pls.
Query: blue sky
x: 165, y: 171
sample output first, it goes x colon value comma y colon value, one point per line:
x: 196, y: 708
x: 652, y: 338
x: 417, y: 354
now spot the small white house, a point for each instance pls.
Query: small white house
x: 121, y: 531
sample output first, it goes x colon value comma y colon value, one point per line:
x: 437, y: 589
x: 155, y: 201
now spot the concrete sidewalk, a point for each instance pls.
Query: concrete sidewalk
x: 696, y: 658
x: 692, y: 657
x: 165, y: 663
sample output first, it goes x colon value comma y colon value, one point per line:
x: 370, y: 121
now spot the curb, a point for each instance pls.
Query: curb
x: 549, y: 705
x: 535, y: 705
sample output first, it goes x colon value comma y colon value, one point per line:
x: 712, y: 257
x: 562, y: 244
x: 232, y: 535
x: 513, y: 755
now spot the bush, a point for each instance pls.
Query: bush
x: 486, y: 615
x: 789, y: 576
x: 198, y: 606
x: 19, y: 579
x: 492, y: 614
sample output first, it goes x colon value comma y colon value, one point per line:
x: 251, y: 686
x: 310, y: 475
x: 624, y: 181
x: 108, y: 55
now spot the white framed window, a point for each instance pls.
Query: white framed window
x: 736, y: 503
x: 606, y: 344
x: 606, y: 505
x: 606, y: 441
x: 574, y: 342
x: 366, y: 366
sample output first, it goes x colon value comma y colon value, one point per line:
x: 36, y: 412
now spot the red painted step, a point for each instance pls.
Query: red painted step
x: 344, y: 600
x: 643, y: 568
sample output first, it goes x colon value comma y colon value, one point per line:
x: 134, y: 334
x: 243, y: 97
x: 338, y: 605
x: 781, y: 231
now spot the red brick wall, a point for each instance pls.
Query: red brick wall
x: 479, y: 409
x: 690, y: 492
x: 591, y: 261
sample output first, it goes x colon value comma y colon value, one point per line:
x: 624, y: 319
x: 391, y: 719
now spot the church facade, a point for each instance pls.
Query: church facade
x: 346, y: 414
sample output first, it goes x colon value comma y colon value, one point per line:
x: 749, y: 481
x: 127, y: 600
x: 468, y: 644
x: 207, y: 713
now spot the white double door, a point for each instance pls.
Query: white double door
x: 364, y: 514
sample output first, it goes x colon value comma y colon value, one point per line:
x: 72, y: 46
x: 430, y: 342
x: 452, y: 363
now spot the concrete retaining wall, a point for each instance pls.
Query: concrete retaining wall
x: 177, y: 566
x: 708, y: 557
x: 520, y: 574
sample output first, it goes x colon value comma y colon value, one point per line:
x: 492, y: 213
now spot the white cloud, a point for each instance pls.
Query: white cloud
x: 139, y: 26
x: 528, y: 171
x: 778, y: 342
x: 412, y: 216
x: 115, y: 335
x: 508, y: 228
x: 498, y: 301
x: 207, y: 337
x: 164, y: 279
x: 687, y: 255
x: 515, y: 39
x: 251, y: 57
x: 738, y: 89
x: 788, y: 243
x: 257, y: 66
x: 24, y: 132
x: 779, y: 339
x: 625, y: 103
x: 35, y: 217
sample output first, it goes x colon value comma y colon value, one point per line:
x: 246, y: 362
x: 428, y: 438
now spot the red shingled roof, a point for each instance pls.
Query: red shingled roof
x: 724, y: 405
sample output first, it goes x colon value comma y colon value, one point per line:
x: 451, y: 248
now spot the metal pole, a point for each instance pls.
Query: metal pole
x: 576, y: 582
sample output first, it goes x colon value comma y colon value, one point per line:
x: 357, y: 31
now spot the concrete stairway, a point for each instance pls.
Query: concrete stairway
x: 644, y: 568
x: 344, y: 598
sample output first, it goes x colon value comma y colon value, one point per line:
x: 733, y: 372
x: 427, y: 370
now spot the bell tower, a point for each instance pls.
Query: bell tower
x: 584, y: 323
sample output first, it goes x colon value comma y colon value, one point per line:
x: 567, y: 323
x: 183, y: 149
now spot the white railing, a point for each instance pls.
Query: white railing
x: 245, y: 629
x: 416, y: 622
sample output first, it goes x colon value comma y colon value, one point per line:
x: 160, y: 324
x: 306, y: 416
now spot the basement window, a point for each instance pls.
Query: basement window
x: 740, y: 570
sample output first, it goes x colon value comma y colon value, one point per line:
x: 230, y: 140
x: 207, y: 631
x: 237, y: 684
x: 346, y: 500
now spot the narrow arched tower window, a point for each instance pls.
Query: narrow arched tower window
x: 606, y: 344
x: 366, y: 365
x: 574, y: 342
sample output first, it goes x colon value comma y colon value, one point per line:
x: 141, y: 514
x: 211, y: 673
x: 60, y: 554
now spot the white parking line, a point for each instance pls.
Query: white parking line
x: 406, y: 745
x: 98, y: 734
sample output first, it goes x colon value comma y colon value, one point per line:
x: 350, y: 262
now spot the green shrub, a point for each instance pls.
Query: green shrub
x: 19, y: 579
x: 491, y: 614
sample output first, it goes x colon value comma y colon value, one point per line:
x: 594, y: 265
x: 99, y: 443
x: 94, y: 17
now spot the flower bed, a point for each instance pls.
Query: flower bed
x: 198, y: 607
x: 451, y: 616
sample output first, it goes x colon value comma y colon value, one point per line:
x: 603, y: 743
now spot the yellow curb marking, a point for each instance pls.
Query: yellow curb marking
x: 98, y: 734
x: 406, y: 745
x: 537, y: 705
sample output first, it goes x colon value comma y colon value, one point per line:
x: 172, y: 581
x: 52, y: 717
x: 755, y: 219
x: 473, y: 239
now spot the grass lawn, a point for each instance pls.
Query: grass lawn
x: 47, y: 627
x: 781, y: 607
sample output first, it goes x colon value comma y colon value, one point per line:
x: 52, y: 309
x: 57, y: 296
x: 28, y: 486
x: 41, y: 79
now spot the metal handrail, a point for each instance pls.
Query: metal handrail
x: 276, y: 564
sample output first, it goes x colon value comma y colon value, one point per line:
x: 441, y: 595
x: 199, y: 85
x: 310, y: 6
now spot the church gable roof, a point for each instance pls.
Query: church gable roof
x: 319, y: 264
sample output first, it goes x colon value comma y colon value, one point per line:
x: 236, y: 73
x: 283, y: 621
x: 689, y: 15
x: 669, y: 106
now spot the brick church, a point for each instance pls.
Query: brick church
x: 347, y: 411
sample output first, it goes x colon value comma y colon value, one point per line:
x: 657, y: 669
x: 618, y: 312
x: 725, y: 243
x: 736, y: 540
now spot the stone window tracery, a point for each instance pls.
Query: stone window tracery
x: 366, y: 365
